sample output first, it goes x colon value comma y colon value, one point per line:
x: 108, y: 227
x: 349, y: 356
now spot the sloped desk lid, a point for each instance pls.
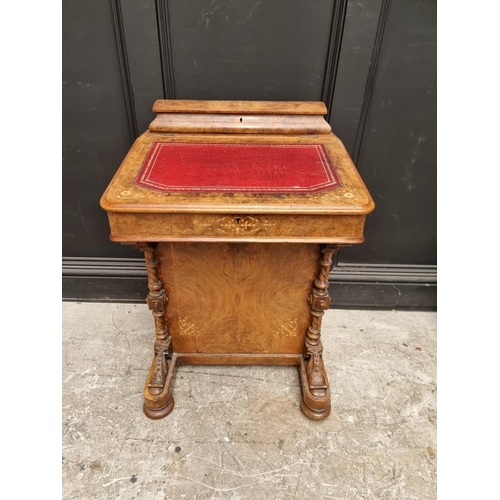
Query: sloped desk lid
x: 213, y: 156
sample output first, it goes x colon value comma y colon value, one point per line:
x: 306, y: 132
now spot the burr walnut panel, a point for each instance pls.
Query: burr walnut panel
x: 238, y: 297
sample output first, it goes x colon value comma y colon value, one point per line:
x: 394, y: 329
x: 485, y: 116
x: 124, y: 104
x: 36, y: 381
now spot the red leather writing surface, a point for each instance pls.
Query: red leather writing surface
x: 237, y: 168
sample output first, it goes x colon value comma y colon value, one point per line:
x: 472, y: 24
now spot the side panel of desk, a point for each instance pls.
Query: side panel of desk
x: 241, y: 298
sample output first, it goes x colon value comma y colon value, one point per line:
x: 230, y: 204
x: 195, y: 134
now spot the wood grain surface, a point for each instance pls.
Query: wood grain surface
x: 238, y: 297
x: 239, y: 124
x: 341, y: 229
x: 237, y: 107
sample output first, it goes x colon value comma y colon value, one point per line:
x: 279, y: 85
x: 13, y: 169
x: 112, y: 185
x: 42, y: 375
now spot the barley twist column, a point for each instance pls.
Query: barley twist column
x: 157, y: 301
x: 316, y: 402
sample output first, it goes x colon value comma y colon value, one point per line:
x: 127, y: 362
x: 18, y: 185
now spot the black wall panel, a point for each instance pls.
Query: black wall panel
x: 360, y: 28
x: 140, y: 28
x: 397, y: 153
x: 249, y: 49
x: 96, y: 133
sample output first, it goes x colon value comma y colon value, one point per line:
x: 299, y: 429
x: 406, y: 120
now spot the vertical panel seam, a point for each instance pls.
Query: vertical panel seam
x: 124, y: 68
x: 339, y: 13
x: 165, y: 42
x: 333, y: 56
x: 371, y: 77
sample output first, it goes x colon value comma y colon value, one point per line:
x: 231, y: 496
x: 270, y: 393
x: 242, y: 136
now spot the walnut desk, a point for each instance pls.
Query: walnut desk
x: 238, y: 207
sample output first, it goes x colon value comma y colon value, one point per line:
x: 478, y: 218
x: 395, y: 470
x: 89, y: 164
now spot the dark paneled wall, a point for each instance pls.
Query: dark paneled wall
x: 143, y: 58
x: 396, y: 155
x: 372, y: 62
x: 96, y: 133
x: 253, y: 49
x: 358, y: 41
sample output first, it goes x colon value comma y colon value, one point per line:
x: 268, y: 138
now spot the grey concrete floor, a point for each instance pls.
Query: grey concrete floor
x: 238, y: 432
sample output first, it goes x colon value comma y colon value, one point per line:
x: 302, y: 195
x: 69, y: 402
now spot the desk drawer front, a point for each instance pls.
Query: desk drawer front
x: 236, y: 227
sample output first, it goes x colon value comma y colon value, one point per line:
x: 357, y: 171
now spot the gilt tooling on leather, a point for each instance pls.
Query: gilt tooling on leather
x: 238, y: 168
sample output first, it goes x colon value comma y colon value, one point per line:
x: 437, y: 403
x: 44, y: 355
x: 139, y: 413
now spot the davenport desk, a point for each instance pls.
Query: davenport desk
x: 238, y: 207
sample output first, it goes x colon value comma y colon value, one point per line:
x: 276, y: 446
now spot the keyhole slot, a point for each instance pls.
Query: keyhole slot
x: 237, y: 220
x: 241, y: 119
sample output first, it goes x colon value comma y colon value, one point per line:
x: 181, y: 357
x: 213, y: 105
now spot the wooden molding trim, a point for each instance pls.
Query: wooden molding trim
x: 124, y: 69
x: 357, y: 286
x: 358, y: 273
x: 166, y: 57
x: 299, y: 108
x: 333, y: 57
x: 370, y: 80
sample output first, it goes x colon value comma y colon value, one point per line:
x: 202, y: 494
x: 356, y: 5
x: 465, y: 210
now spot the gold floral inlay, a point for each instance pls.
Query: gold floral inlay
x: 336, y: 195
x: 289, y: 329
x: 240, y: 225
x: 186, y: 328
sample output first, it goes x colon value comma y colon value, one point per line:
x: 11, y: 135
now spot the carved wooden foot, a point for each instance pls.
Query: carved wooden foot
x: 315, y: 402
x: 315, y: 387
x: 158, y: 400
x: 157, y: 414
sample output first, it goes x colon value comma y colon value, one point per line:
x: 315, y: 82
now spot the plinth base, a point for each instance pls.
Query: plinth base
x: 158, y: 413
x: 157, y: 407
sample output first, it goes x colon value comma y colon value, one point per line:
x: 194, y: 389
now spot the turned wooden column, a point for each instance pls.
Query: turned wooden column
x: 316, y: 389
x: 158, y: 400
